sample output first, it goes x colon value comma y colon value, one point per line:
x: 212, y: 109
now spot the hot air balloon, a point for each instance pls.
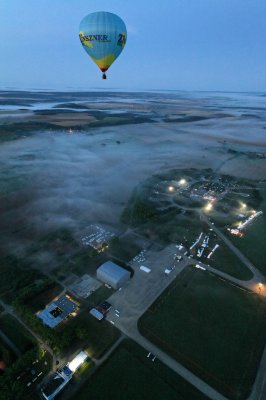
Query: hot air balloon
x: 103, y: 36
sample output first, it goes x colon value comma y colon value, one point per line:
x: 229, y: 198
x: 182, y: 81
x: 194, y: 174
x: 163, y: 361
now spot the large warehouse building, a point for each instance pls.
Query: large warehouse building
x: 112, y: 274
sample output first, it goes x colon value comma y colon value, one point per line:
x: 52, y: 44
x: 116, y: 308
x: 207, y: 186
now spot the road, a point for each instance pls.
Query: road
x: 10, y: 311
x: 135, y: 298
x: 258, y: 277
x: 139, y: 293
x: 71, y: 391
x: 202, y: 386
x: 10, y: 344
x: 259, y: 387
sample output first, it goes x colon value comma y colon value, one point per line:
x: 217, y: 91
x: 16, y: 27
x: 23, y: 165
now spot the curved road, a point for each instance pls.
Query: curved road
x: 258, y: 277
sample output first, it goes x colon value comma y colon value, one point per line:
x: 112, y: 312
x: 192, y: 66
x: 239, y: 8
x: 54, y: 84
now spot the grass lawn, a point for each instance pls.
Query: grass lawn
x: 96, y: 336
x: 226, y: 261
x: 100, y: 337
x: 84, y: 369
x: 173, y: 227
x: 21, y: 338
x: 99, y: 296
x: 213, y: 328
x: 128, y: 374
x: 252, y: 244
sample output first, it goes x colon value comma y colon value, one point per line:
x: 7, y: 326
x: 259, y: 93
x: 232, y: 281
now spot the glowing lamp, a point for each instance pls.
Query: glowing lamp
x: 77, y: 361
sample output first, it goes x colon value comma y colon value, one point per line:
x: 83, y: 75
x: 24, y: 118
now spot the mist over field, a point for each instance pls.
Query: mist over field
x: 71, y: 177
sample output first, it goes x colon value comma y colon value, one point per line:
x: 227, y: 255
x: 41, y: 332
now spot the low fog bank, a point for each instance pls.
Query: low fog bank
x: 54, y: 179
x: 60, y: 179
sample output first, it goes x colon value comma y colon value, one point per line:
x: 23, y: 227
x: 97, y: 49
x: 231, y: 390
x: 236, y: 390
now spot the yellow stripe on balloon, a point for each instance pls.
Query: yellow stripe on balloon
x: 104, y: 62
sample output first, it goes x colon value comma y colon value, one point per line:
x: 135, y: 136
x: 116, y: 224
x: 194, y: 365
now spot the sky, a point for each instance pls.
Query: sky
x: 216, y: 45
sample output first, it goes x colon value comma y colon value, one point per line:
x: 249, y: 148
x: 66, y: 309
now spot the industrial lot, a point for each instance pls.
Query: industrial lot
x: 85, y: 317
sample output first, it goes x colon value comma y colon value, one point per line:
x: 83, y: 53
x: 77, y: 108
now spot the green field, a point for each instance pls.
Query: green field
x: 129, y: 375
x: 252, y: 244
x: 213, y: 328
x: 226, y: 261
x: 98, y: 336
x: 99, y: 296
x: 21, y: 338
x: 84, y: 369
x: 173, y: 226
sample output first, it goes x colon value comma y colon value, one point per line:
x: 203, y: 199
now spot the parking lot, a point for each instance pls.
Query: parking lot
x: 97, y: 237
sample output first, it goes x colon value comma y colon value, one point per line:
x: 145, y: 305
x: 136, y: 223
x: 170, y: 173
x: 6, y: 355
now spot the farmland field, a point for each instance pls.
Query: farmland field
x: 216, y: 330
x: 148, y: 380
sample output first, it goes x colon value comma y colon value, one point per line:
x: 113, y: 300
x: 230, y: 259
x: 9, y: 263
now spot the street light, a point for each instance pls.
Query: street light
x: 208, y: 207
x: 171, y: 188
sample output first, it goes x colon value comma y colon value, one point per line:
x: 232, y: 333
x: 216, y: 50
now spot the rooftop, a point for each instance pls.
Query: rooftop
x: 57, y: 311
x: 113, y: 270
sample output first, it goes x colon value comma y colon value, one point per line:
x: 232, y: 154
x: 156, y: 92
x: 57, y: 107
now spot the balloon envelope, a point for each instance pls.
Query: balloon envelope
x: 103, y: 36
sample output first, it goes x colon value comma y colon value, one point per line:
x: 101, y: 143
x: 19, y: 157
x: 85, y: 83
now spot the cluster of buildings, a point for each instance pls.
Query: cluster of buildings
x: 242, y: 225
x: 62, y: 377
x: 207, y: 190
x: 101, y: 310
x: 65, y: 307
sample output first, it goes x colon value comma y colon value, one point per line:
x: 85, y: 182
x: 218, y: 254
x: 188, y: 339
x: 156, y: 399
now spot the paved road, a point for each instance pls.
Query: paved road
x: 70, y: 391
x: 135, y: 298
x: 174, y: 365
x: 235, y: 250
x: 139, y: 293
x: 251, y: 285
x: 10, y: 311
x: 259, y: 388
